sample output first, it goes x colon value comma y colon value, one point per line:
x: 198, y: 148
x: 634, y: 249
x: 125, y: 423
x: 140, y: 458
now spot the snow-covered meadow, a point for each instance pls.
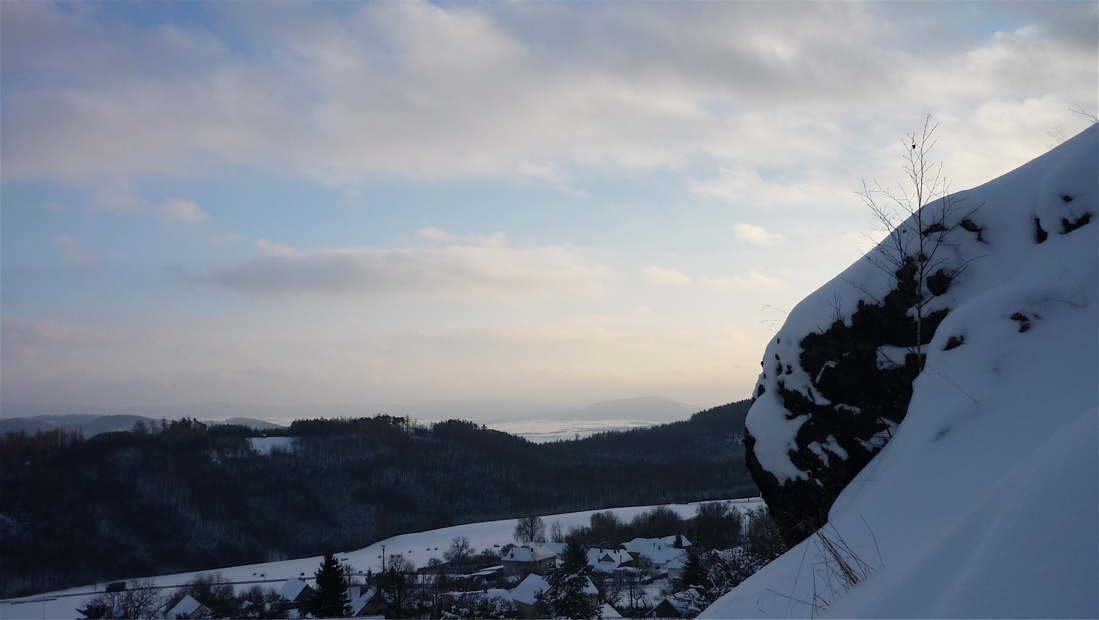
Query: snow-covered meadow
x: 418, y: 547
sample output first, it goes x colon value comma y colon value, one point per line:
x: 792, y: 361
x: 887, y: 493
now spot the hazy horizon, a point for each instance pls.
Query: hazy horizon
x: 404, y: 202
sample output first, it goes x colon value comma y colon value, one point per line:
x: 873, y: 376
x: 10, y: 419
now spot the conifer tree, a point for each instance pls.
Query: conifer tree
x: 566, y: 597
x: 330, y: 599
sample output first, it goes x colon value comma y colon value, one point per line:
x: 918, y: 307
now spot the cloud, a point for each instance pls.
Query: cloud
x: 754, y: 280
x: 528, y: 91
x: 121, y: 196
x: 181, y: 211
x: 744, y: 185
x: 756, y: 235
x: 75, y: 251
x: 672, y: 277
x: 490, y: 270
x: 434, y: 234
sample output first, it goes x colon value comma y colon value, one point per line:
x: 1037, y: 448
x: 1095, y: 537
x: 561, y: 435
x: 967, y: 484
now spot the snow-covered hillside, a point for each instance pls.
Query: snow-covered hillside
x: 419, y: 548
x: 985, y: 502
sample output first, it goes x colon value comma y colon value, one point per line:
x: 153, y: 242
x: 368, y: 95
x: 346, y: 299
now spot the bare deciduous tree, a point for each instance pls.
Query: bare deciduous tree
x: 917, y: 217
x: 530, y: 529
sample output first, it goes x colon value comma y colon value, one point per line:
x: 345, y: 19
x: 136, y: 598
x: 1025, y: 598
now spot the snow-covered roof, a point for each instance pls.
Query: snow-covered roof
x: 683, y: 542
x: 292, y: 589
x: 359, y: 597
x: 676, y: 563
x: 527, y: 591
x: 659, y: 551
x: 186, y: 607
x: 607, y: 560
x: 488, y: 571
x: 536, y: 553
x: 609, y: 612
x: 556, y: 547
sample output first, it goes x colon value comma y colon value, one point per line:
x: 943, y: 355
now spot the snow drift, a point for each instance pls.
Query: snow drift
x: 985, y: 500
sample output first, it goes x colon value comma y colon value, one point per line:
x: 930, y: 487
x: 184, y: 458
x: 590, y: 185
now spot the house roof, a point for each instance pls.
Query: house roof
x: 536, y: 553
x: 292, y: 589
x: 610, y: 612
x: 186, y: 607
x: 668, y: 608
x: 607, y: 560
x: 359, y: 597
x: 677, y: 562
x: 556, y: 547
x: 658, y: 550
x: 527, y: 591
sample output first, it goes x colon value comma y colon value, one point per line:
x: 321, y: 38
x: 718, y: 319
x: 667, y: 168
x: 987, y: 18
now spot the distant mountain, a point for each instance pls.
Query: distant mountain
x: 91, y: 424
x: 43, y: 422
x: 94, y: 420
x: 480, y: 411
x: 260, y: 425
x: 644, y: 409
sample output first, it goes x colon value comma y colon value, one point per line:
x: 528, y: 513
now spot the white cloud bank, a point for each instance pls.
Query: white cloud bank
x: 756, y: 235
x: 416, y: 89
x: 491, y: 269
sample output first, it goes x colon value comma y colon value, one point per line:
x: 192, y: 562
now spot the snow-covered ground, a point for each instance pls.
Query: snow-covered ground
x: 264, y: 445
x: 419, y: 547
x: 546, y: 430
x: 985, y: 503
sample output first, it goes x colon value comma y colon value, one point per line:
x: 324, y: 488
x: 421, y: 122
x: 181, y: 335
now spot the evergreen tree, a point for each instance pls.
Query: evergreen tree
x: 694, y: 573
x: 330, y: 599
x: 566, y: 597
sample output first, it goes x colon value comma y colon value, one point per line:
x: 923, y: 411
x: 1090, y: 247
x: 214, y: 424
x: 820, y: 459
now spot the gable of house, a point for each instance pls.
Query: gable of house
x: 189, y: 607
x: 295, y: 590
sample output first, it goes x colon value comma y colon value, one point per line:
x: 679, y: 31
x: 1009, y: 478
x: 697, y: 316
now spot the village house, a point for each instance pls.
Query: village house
x: 665, y: 609
x: 189, y: 608
x: 296, y: 592
x: 527, y: 596
x: 365, y: 601
x: 663, y: 553
x: 528, y: 559
x: 609, y: 560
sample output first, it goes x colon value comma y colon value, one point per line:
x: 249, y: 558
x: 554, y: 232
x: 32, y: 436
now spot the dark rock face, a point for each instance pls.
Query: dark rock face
x: 837, y: 380
x: 866, y: 398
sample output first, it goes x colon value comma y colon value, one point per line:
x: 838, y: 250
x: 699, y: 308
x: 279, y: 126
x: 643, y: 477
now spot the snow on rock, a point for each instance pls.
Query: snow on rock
x: 985, y: 501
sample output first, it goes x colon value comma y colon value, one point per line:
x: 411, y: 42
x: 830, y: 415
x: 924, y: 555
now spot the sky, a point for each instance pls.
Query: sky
x: 401, y: 202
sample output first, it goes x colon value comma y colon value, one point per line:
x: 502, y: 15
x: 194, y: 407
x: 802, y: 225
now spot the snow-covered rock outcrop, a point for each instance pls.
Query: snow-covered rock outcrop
x: 985, y: 500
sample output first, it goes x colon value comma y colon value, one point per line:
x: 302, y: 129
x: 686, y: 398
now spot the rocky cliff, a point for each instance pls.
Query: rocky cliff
x: 837, y: 378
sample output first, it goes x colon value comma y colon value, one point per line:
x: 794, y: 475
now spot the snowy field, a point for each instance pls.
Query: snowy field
x: 543, y: 431
x: 419, y: 547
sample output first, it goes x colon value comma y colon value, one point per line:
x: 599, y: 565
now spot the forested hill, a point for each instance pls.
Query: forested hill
x: 183, y: 496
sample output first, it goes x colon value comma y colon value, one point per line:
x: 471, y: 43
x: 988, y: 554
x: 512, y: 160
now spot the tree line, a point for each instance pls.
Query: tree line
x: 183, y: 496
